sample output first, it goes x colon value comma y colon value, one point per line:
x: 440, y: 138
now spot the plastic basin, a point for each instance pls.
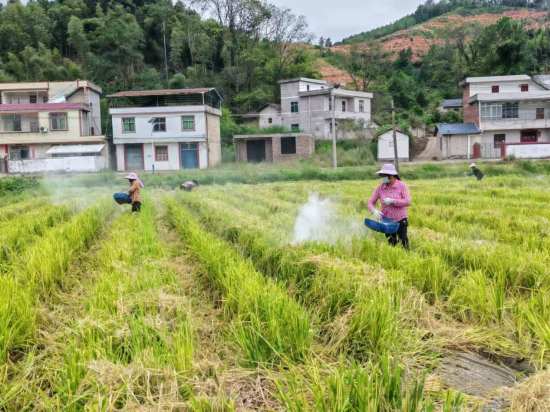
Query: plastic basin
x: 386, y: 226
x: 122, y: 198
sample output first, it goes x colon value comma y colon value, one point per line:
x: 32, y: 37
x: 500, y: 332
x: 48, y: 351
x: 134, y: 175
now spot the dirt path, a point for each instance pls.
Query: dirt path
x: 430, y: 152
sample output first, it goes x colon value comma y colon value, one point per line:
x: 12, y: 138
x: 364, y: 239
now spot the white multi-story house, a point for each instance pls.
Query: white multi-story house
x: 51, y: 126
x: 514, y: 110
x: 307, y: 106
x: 166, y: 129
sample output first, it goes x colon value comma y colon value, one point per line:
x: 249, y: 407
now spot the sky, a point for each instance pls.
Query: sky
x: 339, y: 19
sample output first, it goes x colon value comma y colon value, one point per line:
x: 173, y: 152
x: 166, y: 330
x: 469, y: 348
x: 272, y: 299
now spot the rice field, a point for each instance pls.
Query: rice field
x: 275, y: 297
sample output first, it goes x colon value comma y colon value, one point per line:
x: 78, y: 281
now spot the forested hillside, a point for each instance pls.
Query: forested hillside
x: 241, y: 47
x: 433, y: 8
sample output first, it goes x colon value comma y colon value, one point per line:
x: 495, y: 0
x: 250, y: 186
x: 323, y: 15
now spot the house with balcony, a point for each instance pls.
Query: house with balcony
x: 51, y: 127
x: 512, y: 114
x: 166, y: 129
x: 307, y: 107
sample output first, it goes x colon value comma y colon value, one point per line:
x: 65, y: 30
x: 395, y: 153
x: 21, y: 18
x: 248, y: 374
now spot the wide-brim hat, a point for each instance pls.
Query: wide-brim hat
x: 387, y: 170
x: 132, y: 176
x: 473, y: 165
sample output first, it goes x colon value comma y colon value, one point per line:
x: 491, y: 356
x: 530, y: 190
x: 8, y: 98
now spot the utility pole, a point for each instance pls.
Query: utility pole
x: 165, y: 53
x: 333, y: 125
x: 395, y: 135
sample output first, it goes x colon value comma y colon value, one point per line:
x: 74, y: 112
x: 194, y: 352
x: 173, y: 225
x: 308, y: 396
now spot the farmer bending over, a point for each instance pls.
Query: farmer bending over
x: 475, y: 171
x: 135, y: 191
x: 395, y: 199
x: 189, y: 185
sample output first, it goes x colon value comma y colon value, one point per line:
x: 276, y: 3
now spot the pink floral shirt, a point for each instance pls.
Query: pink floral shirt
x: 398, y: 192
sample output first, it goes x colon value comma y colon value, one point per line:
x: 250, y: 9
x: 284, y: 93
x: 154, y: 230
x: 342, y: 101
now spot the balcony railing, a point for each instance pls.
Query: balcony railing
x: 19, y: 123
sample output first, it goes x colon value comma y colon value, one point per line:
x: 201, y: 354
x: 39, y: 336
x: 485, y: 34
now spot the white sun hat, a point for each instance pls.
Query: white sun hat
x: 473, y: 165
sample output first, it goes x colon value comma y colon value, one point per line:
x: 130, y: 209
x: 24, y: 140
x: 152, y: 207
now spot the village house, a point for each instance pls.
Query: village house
x: 51, y: 127
x: 274, y: 147
x: 450, y: 105
x: 512, y: 114
x: 306, y: 106
x: 166, y: 129
x: 386, y: 146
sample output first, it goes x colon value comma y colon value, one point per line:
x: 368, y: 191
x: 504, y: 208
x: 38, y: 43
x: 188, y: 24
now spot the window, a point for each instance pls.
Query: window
x: 498, y: 139
x: 128, y: 125
x: 32, y: 98
x: 58, y: 121
x: 540, y: 113
x: 529, y: 136
x: 343, y: 106
x: 330, y: 128
x: 20, y: 152
x: 524, y: 87
x: 294, y: 107
x: 44, y: 99
x: 491, y: 111
x: 12, y: 123
x: 308, y: 87
x: 270, y: 120
x: 92, y: 131
x: 362, y: 106
x: 161, y: 153
x: 330, y: 103
x: 159, y: 125
x: 495, y: 89
x: 288, y: 145
x: 510, y: 111
x: 188, y: 123
x: 295, y: 127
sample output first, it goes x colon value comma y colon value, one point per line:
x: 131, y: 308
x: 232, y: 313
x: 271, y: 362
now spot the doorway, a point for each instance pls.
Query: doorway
x: 189, y: 155
x: 133, y: 157
x: 255, y: 150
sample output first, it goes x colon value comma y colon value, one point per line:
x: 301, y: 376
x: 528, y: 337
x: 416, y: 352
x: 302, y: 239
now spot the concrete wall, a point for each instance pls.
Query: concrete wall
x: 59, y: 164
x: 214, y: 140
x: 73, y: 134
x: 269, y: 113
x: 386, y: 149
x: 173, y: 115
x: 173, y: 162
x: 529, y: 151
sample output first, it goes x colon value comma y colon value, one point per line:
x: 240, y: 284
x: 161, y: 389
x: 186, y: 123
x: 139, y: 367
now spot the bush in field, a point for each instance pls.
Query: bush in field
x: 15, y: 185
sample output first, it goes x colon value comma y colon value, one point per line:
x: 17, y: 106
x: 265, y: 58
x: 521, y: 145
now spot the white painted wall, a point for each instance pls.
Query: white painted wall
x: 504, y: 87
x: 59, y: 164
x: 173, y: 115
x: 173, y: 162
x: 513, y: 136
x: 386, y: 148
x: 528, y: 151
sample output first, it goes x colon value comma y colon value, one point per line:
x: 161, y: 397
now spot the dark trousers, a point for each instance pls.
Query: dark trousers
x: 136, y: 206
x: 401, y: 234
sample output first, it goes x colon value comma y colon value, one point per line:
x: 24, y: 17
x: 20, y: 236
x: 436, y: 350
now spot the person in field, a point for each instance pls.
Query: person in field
x: 190, y: 185
x: 475, y: 172
x: 395, y: 199
x: 135, y: 191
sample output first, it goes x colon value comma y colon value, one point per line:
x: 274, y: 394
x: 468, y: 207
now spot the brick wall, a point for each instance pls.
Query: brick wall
x: 305, y: 147
x: 241, y: 151
x: 471, y: 111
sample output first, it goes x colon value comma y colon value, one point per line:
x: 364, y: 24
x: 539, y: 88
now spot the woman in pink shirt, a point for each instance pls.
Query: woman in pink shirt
x: 395, y: 199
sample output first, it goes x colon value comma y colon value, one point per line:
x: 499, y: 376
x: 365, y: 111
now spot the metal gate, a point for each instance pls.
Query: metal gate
x: 133, y: 157
x: 490, y: 150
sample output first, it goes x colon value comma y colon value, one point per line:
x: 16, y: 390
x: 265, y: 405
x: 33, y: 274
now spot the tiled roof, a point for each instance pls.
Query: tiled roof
x: 457, y: 128
x: 451, y: 103
x: 35, y: 107
x: 164, y: 92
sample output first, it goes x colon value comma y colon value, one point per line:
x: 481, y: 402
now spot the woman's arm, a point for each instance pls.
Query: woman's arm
x: 133, y: 187
x: 374, y: 198
x: 405, y: 197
